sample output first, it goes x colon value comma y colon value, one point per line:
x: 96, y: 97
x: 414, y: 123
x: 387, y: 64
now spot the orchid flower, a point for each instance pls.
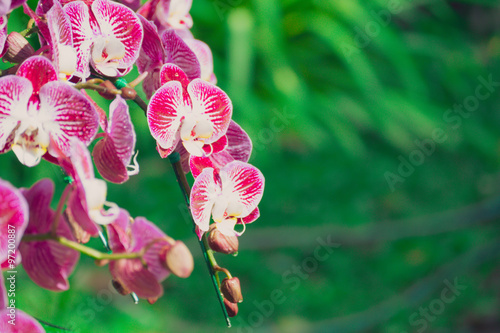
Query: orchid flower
x: 230, y: 196
x: 113, y: 153
x: 35, y: 111
x: 157, y: 51
x: 106, y: 34
x: 23, y: 322
x: 3, y: 35
x: 196, y: 114
x: 47, y: 262
x: 13, y: 221
x: 168, y: 13
x: 133, y: 276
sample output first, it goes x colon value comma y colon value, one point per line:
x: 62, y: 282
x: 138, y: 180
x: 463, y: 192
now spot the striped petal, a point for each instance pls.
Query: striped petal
x: 164, y: 114
x: 152, y: 53
x: 117, y: 21
x: 242, y: 184
x: 68, y: 113
x: 15, y: 93
x: 213, y: 104
x: 113, y: 153
x: 83, y: 35
x: 202, y: 198
x: 39, y: 70
x: 239, y: 144
x: 179, y: 53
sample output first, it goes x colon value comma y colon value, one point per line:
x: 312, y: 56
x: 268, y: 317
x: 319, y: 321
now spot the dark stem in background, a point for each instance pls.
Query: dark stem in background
x: 175, y: 160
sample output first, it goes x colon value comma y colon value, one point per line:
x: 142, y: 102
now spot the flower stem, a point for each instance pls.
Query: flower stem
x: 175, y: 160
x: 80, y: 247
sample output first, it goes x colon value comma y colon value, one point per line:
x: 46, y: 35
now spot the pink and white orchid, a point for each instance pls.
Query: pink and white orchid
x: 196, y: 114
x: 229, y: 196
x: 112, y: 154
x: 47, y: 262
x: 106, y: 34
x: 36, y: 110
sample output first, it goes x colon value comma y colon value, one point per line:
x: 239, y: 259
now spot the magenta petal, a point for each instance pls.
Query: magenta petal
x: 73, y: 114
x: 14, y: 216
x: 119, y: 233
x: 213, y: 103
x: 121, y: 22
x: 178, y: 52
x: 121, y: 129
x: 24, y: 323
x: 108, y: 163
x: 164, y: 114
x: 39, y: 70
x: 216, y: 161
x: 132, y: 275
x: 15, y: 93
x: 239, y: 143
x: 205, y: 58
x: 244, y: 182
x: 203, y: 195
x: 113, y: 153
x: 152, y: 52
x: 151, y: 83
x: 171, y: 72
x: 39, y: 197
x: 49, y: 263
x: 144, y: 232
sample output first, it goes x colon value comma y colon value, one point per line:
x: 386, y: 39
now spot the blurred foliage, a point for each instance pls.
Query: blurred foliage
x: 329, y: 118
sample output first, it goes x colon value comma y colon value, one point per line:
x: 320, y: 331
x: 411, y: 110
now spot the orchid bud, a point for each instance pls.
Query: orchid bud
x: 18, y: 49
x: 231, y: 290
x: 128, y: 93
x: 222, y: 243
x: 231, y: 308
x: 178, y: 259
x: 119, y: 288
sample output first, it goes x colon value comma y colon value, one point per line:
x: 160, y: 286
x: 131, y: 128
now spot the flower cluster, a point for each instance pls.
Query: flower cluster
x: 45, y: 114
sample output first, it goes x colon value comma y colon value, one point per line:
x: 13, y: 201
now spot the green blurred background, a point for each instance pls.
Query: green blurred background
x: 354, y: 111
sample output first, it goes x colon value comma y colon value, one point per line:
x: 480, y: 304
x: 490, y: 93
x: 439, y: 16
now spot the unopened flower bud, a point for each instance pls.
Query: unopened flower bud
x: 178, y: 259
x: 128, y: 93
x: 231, y: 290
x: 18, y: 49
x: 110, y: 86
x: 222, y: 243
x: 119, y: 287
x: 231, y: 308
